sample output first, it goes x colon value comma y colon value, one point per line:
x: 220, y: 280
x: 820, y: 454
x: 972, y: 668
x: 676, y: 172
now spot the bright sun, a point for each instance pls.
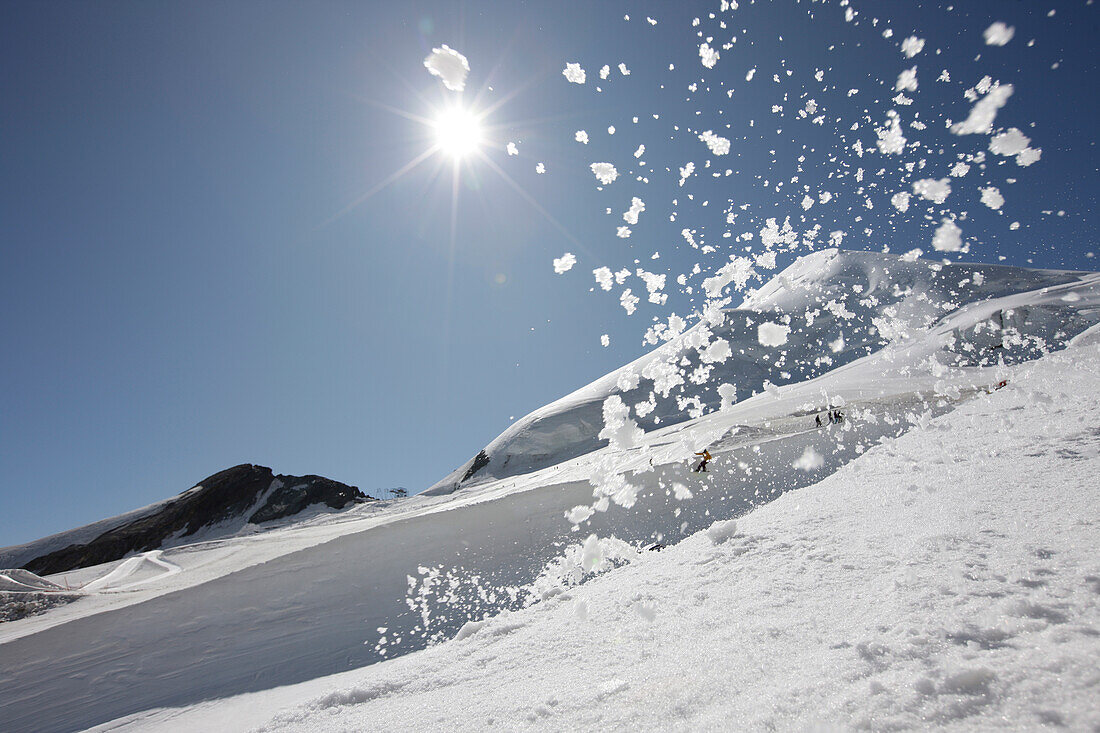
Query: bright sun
x: 457, y: 132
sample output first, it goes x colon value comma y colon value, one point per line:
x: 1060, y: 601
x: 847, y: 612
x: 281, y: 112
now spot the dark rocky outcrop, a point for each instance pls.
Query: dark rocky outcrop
x: 244, y: 494
x: 480, y: 461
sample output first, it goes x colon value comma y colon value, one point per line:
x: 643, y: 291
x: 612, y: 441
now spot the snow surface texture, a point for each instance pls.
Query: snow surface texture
x: 857, y: 602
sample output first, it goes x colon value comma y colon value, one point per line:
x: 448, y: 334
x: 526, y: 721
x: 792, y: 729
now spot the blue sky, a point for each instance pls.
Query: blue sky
x: 185, y: 287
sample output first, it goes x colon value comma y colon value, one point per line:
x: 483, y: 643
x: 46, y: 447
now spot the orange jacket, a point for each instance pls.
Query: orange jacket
x: 705, y: 454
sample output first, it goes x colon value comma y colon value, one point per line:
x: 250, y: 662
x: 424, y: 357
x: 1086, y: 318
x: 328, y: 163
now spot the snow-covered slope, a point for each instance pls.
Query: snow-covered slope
x: 825, y: 310
x: 245, y: 614
x: 948, y: 579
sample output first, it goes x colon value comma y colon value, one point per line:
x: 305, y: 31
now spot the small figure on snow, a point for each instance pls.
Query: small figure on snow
x: 818, y: 419
x: 702, y: 467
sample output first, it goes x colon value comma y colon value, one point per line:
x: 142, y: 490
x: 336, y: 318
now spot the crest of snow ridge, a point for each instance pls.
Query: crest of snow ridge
x: 825, y: 310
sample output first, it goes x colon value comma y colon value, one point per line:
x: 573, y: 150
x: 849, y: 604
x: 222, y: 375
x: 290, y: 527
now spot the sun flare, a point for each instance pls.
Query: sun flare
x: 457, y: 132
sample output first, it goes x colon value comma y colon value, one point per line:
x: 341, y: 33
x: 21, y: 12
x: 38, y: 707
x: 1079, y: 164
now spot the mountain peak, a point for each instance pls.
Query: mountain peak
x: 222, y: 504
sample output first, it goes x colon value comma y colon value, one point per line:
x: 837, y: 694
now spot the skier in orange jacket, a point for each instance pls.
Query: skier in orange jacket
x: 703, y: 463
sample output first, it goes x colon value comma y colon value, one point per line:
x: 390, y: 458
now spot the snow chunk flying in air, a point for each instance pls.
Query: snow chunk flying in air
x: 707, y: 55
x: 637, y: 206
x: 581, y: 136
x: 738, y: 271
x: 982, y: 114
x: 686, y: 171
x: 907, y: 81
x: 618, y: 428
x: 948, y: 237
x: 604, y: 277
x: 629, y: 302
x: 564, y: 263
x: 999, y: 34
x: 573, y: 73
x: 1014, y: 142
x: 911, y: 46
x: 992, y: 197
x: 772, y: 334
x: 891, y: 141
x: 604, y: 172
x: 717, y: 144
x: 810, y: 460
x: 450, y: 66
x: 932, y: 189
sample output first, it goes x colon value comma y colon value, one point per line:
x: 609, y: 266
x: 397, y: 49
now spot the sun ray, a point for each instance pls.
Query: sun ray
x: 382, y: 184
x: 537, y: 206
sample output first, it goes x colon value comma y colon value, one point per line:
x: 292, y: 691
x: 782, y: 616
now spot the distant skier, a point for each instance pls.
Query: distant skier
x: 702, y: 467
x: 818, y: 419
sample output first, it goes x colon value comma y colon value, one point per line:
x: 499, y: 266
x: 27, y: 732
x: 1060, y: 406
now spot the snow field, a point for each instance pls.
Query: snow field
x: 321, y: 606
x: 946, y: 579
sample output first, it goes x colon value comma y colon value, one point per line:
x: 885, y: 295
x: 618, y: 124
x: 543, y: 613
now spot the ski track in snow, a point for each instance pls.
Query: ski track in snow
x: 946, y: 579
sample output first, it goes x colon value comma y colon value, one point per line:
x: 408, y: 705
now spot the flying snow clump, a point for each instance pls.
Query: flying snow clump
x: 579, y: 514
x: 1014, y: 142
x: 717, y: 352
x: 911, y: 46
x: 686, y: 171
x: 999, y: 34
x: 450, y: 66
x: 605, y: 172
x: 573, y: 73
x: 637, y: 206
x: 907, y: 81
x: 629, y: 302
x: 707, y: 55
x: 900, y: 201
x: 932, y: 189
x: 717, y: 144
x: 891, y: 141
x: 604, y: 277
x: 581, y: 137
x: 564, y: 263
x: 512, y: 149
x: 948, y: 237
x: 982, y: 114
x: 728, y: 395
x: 992, y: 197
x: 772, y: 334
x: 618, y: 428
x: 810, y: 460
